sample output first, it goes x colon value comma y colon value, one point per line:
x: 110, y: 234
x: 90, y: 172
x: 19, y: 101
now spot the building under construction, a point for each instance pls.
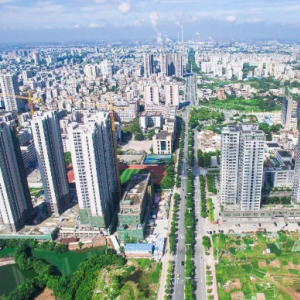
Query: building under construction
x: 135, y: 207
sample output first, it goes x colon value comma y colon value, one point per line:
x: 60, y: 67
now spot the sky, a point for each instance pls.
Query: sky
x: 157, y: 20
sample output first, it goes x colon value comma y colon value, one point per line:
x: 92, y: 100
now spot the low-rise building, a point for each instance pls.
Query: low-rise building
x: 135, y: 207
x: 280, y: 171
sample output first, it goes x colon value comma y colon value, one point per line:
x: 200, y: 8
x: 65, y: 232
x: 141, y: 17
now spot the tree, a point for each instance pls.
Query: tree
x: 206, y: 242
x: 68, y: 158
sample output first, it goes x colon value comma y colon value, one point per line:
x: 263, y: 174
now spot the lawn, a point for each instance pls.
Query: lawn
x: 246, y: 259
x: 246, y: 105
x: 137, y: 280
x: 125, y: 174
x: 35, y: 192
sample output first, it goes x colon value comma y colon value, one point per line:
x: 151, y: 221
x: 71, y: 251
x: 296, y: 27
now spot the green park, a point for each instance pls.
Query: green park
x: 258, y: 265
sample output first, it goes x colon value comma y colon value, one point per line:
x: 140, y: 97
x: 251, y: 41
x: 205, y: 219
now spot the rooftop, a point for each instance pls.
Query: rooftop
x: 272, y: 145
x: 162, y: 135
x: 284, y: 153
x: 133, y: 197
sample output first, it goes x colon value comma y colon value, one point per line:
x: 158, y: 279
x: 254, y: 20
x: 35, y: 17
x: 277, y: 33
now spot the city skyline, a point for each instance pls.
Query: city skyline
x: 49, y: 21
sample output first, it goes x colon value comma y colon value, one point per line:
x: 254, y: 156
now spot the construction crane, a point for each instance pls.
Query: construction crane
x: 111, y: 108
x: 28, y: 98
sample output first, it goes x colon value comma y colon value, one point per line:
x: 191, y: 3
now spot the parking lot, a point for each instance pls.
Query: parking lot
x: 249, y: 226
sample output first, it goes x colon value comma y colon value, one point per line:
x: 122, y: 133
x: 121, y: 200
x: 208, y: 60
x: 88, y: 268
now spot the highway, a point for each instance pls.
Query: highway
x: 179, y: 256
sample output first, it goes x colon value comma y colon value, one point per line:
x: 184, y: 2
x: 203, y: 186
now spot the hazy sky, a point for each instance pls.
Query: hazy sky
x: 31, y: 20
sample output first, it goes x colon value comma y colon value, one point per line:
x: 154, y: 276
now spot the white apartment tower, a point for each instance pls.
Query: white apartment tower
x: 151, y: 95
x: 95, y: 168
x: 177, y: 58
x: 48, y: 144
x: 9, y: 88
x: 90, y: 72
x: 296, y: 184
x: 148, y: 65
x: 172, y: 94
x: 242, y: 166
x: 15, y: 200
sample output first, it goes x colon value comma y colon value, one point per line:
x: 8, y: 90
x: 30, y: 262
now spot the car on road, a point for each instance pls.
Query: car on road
x: 298, y: 223
x: 197, y: 220
x: 275, y: 223
x: 182, y: 263
x: 259, y: 224
x: 237, y: 225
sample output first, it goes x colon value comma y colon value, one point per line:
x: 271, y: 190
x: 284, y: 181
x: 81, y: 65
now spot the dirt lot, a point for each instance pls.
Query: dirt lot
x: 45, y: 295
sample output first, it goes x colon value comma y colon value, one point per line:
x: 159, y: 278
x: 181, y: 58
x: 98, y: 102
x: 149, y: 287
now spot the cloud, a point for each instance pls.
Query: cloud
x: 230, y: 18
x: 94, y: 25
x: 5, y: 1
x: 99, y: 1
x: 124, y: 7
x: 153, y: 16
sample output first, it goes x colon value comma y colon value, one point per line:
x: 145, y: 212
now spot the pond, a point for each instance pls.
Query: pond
x: 11, y: 277
x: 66, y: 263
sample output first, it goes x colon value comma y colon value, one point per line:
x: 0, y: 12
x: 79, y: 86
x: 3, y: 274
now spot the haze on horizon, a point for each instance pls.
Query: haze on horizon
x: 74, y: 20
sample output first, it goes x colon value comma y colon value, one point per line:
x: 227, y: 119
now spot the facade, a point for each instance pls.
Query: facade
x: 172, y: 94
x: 95, y: 169
x: 148, y: 64
x: 151, y: 95
x: 148, y: 119
x: 286, y: 112
x: 15, y: 200
x: 128, y: 111
x: 162, y: 142
x: 9, y: 89
x: 135, y: 207
x: 242, y: 166
x: 48, y: 144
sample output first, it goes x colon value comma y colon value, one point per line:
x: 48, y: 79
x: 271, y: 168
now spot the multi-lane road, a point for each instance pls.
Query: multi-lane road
x: 179, y: 257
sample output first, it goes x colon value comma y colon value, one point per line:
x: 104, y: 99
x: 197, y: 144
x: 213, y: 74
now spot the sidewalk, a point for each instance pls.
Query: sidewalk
x: 210, y: 261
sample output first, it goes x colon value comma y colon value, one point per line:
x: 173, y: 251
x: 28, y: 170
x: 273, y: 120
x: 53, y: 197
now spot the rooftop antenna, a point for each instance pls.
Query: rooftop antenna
x: 182, y: 35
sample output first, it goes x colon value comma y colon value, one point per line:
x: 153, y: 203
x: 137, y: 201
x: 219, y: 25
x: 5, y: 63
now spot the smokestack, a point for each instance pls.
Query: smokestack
x: 182, y: 35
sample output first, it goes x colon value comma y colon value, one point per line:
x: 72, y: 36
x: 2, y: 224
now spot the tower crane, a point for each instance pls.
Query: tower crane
x: 28, y: 98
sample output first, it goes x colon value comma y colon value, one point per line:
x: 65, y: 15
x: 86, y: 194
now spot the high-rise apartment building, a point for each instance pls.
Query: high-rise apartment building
x: 296, y: 184
x: 171, y: 64
x: 172, y: 94
x: 15, y: 200
x: 177, y: 58
x: 286, y: 112
x: 151, y: 94
x: 90, y: 72
x: 48, y: 144
x: 95, y: 169
x: 242, y: 166
x: 148, y: 64
x: 9, y: 87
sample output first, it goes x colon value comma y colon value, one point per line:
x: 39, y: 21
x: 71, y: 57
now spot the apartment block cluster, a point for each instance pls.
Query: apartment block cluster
x: 75, y: 86
x: 250, y: 165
